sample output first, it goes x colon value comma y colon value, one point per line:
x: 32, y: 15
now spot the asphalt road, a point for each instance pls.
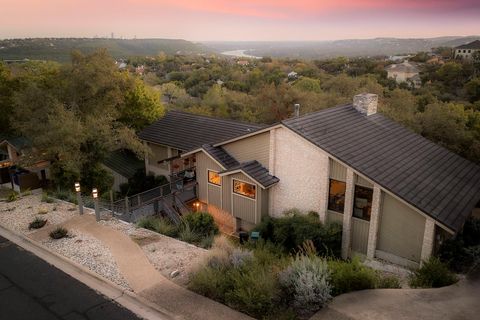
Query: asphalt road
x: 32, y: 289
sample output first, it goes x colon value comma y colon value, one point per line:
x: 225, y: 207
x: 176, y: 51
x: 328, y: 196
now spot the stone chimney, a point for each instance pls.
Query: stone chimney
x: 366, y: 103
x: 296, y: 109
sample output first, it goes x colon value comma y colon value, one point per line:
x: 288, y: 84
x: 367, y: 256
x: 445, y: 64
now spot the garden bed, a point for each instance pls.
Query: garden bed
x: 17, y: 215
x: 173, y: 258
x: 88, y: 252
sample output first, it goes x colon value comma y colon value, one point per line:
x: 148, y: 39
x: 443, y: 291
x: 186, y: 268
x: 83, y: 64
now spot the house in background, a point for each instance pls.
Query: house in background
x: 405, y: 72
x: 178, y: 132
x: 397, y: 195
x: 122, y: 165
x: 466, y: 51
x: 21, y: 177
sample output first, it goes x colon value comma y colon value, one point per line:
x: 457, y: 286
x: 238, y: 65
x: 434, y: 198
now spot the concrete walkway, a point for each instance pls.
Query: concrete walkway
x: 142, y: 276
x: 457, y: 302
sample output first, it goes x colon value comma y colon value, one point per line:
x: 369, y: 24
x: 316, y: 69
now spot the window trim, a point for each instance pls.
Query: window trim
x: 328, y: 200
x: 242, y: 195
x: 211, y: 183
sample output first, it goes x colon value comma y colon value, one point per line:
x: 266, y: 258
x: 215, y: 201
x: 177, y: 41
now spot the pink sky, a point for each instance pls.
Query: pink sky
x: 239, y: 19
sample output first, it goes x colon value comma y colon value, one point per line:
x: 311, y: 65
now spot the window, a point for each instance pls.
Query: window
x: 336, y: 196
x: 214, y: 178
x: 243, y: 188
x: 362, y: 205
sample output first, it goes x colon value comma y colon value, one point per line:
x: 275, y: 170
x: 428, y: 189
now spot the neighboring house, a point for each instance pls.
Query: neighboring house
x: 243, y: 63
x: 123, y: 165
x: 21, y: 177
x: 466, y: 51
x: 398, y: 58
x: 178, y: 132
x: 292, y: 75
x: 397, y: 194
x: 405, y: 72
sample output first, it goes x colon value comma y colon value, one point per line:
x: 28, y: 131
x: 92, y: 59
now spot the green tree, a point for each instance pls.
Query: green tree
x: 73, y: 117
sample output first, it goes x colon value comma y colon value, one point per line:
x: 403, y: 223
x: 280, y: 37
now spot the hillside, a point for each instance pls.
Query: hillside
x: 350, y: 48
x: 59, y: 49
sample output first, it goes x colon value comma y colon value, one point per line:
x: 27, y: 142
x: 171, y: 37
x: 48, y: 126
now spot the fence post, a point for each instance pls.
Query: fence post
x: 111, y: 202
x: 127, y: 209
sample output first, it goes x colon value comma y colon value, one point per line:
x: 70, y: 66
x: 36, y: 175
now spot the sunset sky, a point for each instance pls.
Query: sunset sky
x: 199, y: 20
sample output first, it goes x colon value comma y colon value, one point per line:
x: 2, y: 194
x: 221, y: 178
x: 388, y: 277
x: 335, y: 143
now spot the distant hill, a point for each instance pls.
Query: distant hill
x: 59, y: 49
x: 350, y: 48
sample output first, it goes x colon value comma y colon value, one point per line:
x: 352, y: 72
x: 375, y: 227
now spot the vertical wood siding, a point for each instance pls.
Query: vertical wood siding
x: 334, y: 217
x: 243, y: 207
x: 256, y: 147
x: 337, y: 171
x: 203, y: 162
x: 360, y: 235
x: 401, y: 229
x: 214, y: 195
x: 363, y: 182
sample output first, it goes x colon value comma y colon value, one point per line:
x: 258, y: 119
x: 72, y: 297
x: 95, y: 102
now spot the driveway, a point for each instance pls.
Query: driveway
x: 30, y: 288
x: 457, y: 302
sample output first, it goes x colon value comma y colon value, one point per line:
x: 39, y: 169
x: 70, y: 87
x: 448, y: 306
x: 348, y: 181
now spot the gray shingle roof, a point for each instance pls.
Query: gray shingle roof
x: 187, y: 131
x: 124, y: 162
x: 219, y: 154
x: 472, y: 45
x: 424, y: 174
x: 255, y: 171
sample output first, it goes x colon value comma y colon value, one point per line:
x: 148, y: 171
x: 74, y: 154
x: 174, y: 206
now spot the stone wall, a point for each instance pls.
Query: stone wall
x: 303, y: 171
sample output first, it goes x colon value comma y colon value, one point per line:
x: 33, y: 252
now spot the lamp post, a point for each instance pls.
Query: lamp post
x: 95, y: 200
x: 79, y: 198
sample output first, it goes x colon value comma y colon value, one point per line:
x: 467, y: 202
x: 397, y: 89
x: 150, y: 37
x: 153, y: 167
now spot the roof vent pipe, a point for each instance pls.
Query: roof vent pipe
x: 366, y: 103
x: 297, y: 109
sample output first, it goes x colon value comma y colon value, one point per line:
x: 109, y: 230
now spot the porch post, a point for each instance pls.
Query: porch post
x: 347, y: 214
x: 428, y: 240
x: 374, y: 221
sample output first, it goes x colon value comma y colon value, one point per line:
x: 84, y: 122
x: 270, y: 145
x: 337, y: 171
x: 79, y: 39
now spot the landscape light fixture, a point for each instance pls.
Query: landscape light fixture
x: 94, y: 193
x: 77, y: 186
x: 79, y: 198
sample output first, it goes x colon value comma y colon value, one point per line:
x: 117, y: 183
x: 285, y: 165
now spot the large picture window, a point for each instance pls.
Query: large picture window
x: 336, y: 196
x: 362, y: 205
x: 243, y: 188
x: 214, y: 178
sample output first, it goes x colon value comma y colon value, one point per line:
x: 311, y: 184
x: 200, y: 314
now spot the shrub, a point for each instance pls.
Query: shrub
x: 207, y: 242
x: 240, y: 257
x: 65, y: 195
x: 255, y: 290
x: 292, y: 231
x: 211, y: 282
x: 306, y: 280
x: 432, y: 274
x: 346, y: 276
x: 201, y: 223
x: 189, y: 235
x: 12, y: 196
x: 37, y: 223
x: 59, y: 233
x: 46, y: 198
x: 160, y: 225
x: 388, y: 282
x: 461, y: 253
x: 42, y: 211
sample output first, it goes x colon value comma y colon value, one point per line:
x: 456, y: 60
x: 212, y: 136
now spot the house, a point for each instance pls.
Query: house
x: 397, y: 195
x: 292, y: 75
x: 466, y: 51
x: 17, y: 175
x: 243, y: 63
x: 122, y: 165
x: 178, y: 132
x: 405, y: 72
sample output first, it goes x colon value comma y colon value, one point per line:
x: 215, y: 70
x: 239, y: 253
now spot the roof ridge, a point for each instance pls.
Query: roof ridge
x: 259, y: 125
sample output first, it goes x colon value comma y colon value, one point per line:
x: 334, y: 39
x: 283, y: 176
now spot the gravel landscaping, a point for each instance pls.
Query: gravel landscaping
x: 18, y: 214
x: 173, y: 258
x: 89, y: 252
